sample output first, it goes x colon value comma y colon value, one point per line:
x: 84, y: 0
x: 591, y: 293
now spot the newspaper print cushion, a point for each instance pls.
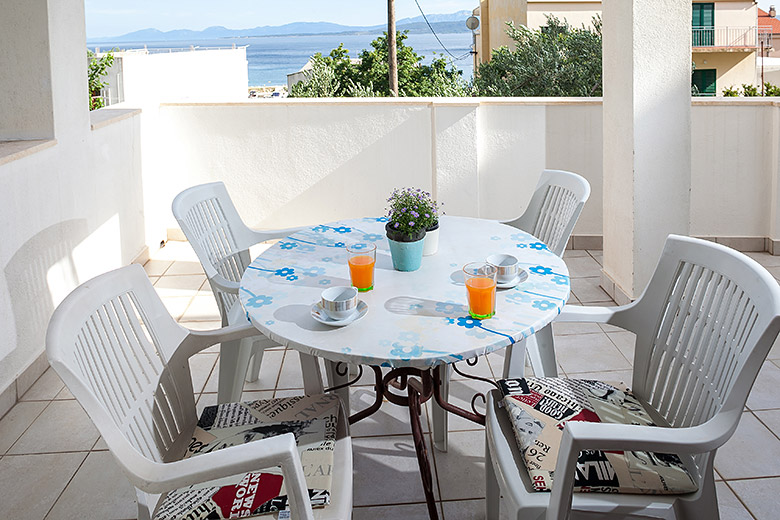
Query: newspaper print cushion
x: 312, y: 419
x: 540, y: 407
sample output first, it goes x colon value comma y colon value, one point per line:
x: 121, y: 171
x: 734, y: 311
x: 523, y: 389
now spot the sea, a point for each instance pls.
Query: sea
x: 271, y: 58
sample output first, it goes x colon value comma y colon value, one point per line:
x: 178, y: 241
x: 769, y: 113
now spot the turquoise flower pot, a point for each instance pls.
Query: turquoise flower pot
x: 407, y: 256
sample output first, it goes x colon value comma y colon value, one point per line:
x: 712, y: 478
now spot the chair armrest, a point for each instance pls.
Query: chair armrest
x: 577, y: 313
x: 198, y: 340
x: 578, y: 436
x: 223, y: 283
x: 157, y: 477
x: 270, y: 234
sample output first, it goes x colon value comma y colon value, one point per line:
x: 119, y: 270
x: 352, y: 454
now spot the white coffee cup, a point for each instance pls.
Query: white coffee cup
x: 339, y: 302
x: 506, y: 266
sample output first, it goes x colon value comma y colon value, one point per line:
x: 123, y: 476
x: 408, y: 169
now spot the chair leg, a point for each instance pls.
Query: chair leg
x: 253, y: 372
x: 233, y: 360
x: 440, y: 415
x: 514, y: 360
x: 492, y: 491
x: 312, y: 376
x: 541, y: 353
x: 335, y: 379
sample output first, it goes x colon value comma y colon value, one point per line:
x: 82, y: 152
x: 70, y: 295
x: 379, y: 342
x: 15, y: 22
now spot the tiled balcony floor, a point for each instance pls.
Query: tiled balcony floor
x: 54, y: 466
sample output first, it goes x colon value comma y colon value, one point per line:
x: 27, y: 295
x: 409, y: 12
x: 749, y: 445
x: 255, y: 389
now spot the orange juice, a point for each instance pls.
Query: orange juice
x: 361, y: 271
x: 482, y: 297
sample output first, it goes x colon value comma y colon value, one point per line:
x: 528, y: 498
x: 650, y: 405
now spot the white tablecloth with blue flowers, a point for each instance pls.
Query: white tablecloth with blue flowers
x: 416, y: 319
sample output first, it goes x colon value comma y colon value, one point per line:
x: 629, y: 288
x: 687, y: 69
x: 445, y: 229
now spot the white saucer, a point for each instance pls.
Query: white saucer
x: 521, y: 277
x: 319, y: 314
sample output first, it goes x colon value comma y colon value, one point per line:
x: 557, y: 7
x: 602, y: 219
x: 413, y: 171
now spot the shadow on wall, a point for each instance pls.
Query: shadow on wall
x: 39, y: 275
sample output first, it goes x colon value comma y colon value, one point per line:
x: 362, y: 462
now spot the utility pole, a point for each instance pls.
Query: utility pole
x: 392, y: 59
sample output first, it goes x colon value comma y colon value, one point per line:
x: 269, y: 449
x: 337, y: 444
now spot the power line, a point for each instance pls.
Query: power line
x: 455, y: 58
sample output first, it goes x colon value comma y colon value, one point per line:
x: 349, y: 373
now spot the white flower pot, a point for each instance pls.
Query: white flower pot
x: 431, y: 244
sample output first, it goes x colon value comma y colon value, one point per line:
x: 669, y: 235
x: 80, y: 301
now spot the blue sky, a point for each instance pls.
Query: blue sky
x: 117, y: 17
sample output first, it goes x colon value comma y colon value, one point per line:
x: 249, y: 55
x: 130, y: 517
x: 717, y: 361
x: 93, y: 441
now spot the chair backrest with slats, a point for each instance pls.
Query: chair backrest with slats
x: 704, y: 325
x: 554, y: 208
x: 111, y: 341
x: 213, y: 227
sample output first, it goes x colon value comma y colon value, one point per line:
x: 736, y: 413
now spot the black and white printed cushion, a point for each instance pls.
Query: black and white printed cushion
x: 540, y: 407
x: 312, y: 419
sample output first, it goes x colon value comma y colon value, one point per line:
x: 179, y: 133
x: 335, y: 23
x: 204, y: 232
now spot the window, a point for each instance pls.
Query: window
x: 703, y: 25
x: 704, y: 80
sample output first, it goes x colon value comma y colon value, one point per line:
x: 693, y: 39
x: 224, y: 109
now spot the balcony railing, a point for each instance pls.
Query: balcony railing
x: 726, y: 37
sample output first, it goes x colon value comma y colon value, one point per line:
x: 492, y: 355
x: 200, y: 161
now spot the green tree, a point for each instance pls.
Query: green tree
x: 369, y: 76
x: 556, y: 60
x: 97, y: 69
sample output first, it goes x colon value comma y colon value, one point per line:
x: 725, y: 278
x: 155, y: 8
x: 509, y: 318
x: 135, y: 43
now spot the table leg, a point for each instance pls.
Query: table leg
x: 440, y: 415
x: 338, y: 376
x: 419, y: 445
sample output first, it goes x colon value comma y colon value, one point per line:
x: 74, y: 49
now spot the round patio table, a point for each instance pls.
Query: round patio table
x: 417, y: 322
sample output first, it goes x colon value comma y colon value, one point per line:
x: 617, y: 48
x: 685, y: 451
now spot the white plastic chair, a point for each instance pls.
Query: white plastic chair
x: 551, y: 215
x: 125, y: 360
x: 703, y: 326
x: 221, y: 240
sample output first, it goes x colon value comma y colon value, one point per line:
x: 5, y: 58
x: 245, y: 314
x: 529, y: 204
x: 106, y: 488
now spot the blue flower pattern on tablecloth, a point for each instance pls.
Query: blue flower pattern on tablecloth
x: 543, y: 305
x: 259, y: 300
x: 540, y: 270
x: 416, y: 339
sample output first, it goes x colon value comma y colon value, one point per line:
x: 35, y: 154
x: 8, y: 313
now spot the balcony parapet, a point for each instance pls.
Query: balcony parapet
x: 725, y: 39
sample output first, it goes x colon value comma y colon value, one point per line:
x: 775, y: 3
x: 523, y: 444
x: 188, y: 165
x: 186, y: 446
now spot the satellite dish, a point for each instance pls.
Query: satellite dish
x: 472, y: 22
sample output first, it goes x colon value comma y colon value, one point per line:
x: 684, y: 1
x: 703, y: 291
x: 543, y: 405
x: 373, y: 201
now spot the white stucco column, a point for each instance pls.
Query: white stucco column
x: 647, y: 136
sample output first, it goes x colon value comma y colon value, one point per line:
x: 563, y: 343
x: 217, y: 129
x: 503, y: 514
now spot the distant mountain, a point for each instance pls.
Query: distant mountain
x: 443, y: 23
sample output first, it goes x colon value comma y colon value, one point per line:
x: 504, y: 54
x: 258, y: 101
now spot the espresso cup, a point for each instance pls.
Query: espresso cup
x: 339, y: 303
x: 506, y: 266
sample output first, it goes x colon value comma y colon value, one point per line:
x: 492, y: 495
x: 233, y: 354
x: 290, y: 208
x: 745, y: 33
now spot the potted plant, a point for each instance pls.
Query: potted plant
x: 429, y: 214
x: 406, y: 228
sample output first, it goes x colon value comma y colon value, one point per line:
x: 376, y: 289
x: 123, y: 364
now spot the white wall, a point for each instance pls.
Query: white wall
x: 68, y: 212
x: 289, y: 162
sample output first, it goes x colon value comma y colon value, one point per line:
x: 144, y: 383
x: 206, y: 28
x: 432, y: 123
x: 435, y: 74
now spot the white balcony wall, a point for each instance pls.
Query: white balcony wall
x: 291, y: 162
x: 67, y: 212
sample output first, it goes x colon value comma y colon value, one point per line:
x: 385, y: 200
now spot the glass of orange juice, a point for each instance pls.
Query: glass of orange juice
x: 362, y: 258
x: 481, y: 289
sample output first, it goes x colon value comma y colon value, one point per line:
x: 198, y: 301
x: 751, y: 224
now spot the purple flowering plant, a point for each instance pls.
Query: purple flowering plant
x: 411, y: 211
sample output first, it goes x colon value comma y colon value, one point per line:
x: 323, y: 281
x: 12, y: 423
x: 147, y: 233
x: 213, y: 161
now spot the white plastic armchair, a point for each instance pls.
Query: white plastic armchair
x: 221, y: 240
x: 551, y: 215
x: 703, y: 326
x: 125, y: 360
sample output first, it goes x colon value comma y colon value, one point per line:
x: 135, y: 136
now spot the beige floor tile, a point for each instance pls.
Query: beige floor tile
x: 587, y: 290
x: 176, y: 305
x: 774, y: 353
x: 64, y: 394
x: 30, y: 484
x: 290, y: 376
x: 203, y: 308
x: 100, y: 445
x: 203, y: 401
x: 98, y: 490
x: 771, y: 418
x: 765, y: 259
x: 583, y: 266
x: 729, y: 506
x: 764, y: 394
x: 181, y: 267
x: 624, y: 341
x: 45, y: 388
x: 201, y: 367
x: 464, y: 509
x: 390, y: 419
x: 62, y: 426
x: 561, y: 328
x: 775, y: 271
x: 606, y: 327
x: 574, y: 253
x: 290, y: 392
x: 386, y: 471
x: 269, y: 372
x: 175, y: 250
x: 753, y: 451
x: 16, y: 421
x: 589, y: 353
x: 397, y: 512
x: 257, y: 395
x: 597, y: 255
x: 175, y: 286
x: 157, y: 267
x: 462, y: 469
x: 759, y: 495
